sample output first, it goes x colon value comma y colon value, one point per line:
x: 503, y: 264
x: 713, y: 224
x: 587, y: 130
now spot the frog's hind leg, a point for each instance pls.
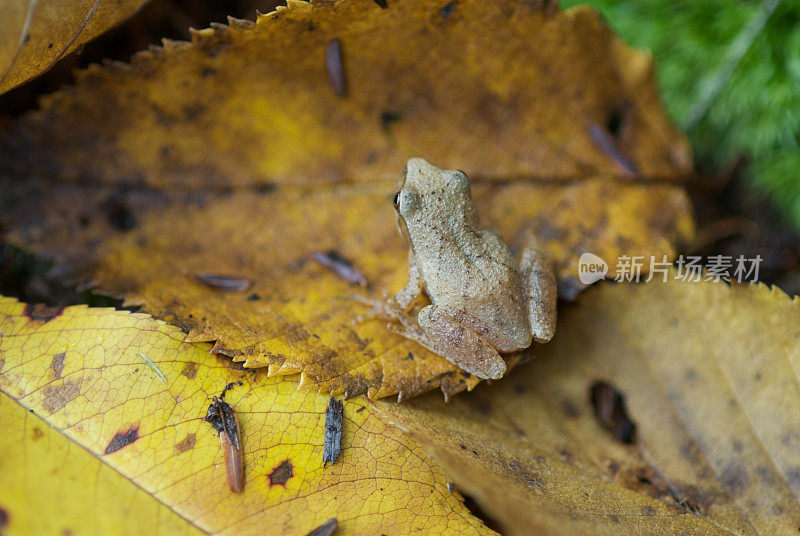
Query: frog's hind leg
x: 539, y: 286
x: 444, y: 332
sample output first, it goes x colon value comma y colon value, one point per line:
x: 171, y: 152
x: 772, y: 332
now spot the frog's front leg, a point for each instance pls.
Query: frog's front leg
x: 460, y: 338
x: 396, y: 307
x: 540, y: 290
x: 406, y: 296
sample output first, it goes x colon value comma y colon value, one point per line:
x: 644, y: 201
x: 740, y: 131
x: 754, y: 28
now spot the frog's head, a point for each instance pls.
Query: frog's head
x: 426, y: 194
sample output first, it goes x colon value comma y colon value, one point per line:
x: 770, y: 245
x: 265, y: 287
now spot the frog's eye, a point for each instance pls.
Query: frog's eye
x: 406, y: 201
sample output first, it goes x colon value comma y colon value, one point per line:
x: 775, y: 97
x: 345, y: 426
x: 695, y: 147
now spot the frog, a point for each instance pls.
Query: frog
x: 484, y: 302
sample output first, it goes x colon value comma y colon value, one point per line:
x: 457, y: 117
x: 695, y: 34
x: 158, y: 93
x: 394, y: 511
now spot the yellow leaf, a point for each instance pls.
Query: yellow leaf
x: 709, y: 376
x: 35, y: 34
x: 53, y: 486
x: 233, y: 155
x: 79, y: 371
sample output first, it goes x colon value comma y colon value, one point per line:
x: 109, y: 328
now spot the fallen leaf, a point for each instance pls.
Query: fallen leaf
x: 250, y: 105
x: 148, y: 442
x: 233, y: 155
x: 51, y: 485
x: 35, y: 34
x: 709, y: 376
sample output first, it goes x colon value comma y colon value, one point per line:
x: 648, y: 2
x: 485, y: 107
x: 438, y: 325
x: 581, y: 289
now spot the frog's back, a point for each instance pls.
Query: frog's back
x: 482, y: 279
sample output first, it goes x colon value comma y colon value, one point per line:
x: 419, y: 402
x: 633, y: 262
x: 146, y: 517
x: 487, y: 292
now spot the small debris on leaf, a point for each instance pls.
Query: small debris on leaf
x: 446, y: 11
x: 326, y: 529
x: 340, y: 266
x: 153, y: 367
x: 608, y: 145
x: 223, y: 419
x: 227, y: 283
x: 333, y: 60
x: 609, y: 408
x: 333, y: 431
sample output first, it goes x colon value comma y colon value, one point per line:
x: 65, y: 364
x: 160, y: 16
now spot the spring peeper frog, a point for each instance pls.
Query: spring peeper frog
x: 483, y: 301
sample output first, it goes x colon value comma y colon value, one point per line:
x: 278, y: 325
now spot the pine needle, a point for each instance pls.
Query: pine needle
x: 152, y: 366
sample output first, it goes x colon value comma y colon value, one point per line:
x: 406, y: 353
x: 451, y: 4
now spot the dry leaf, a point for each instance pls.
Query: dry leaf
x: 709, y: 377
x: 234, y: 156
x: 35, y: 34
x: 79, y: 371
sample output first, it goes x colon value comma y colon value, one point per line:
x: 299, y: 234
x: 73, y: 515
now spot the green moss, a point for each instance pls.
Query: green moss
x: 729, y: 72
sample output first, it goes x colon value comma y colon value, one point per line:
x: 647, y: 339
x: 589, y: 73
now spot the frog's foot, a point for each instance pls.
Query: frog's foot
x: 385, y: 309
x: 445, y: 333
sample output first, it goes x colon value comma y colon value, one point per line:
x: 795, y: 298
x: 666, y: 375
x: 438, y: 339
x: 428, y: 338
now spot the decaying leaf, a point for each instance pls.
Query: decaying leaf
x: 709, y: 376
x: 35, y: 34
x: 76, y: 371
x: 233, y: 155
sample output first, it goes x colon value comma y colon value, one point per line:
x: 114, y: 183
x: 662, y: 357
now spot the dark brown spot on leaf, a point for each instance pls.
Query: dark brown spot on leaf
x: 618, y: 120
x: 58, y: 396
x: 382, y: 3
x: 570, y: 409
x: 42, y: 313
x: 387, y: 118
x: 281, y: 474
x: 3, y: 518
x: 37, y: 433
x: 189, y: 370
x: 734, y: 477
x: 57, y: 365
x: 447, y: 10
x: 119, y: 215
x: 188, y: 443
x: 326, y: 529
x: 123, y: 438
x: 609, y: 408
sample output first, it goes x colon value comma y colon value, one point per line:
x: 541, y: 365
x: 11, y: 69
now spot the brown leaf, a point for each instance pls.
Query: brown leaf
x: 709, y: 377
x: 233, y: 156
x: 35, y: 34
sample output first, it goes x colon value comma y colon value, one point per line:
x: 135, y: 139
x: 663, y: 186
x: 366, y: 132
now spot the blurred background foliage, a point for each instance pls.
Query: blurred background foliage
x: 729, y: 72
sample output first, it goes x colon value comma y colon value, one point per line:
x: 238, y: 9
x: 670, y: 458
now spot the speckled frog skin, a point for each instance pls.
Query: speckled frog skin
x: 483, y: 301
